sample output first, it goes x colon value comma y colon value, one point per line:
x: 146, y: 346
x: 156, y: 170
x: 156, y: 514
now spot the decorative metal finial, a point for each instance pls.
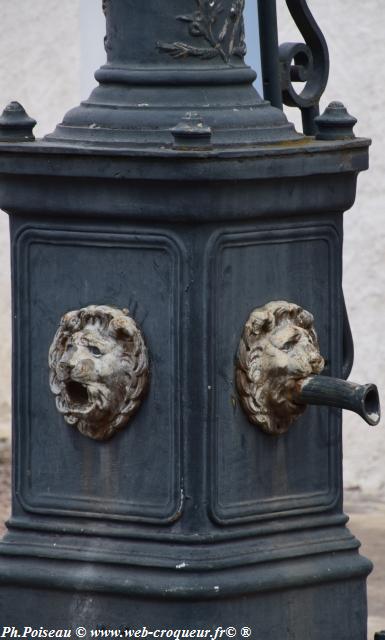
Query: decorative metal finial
x: 335, y: 123
x: 15, y: 124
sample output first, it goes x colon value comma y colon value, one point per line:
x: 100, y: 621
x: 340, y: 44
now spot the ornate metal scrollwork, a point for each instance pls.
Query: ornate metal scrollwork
x: 311, y: 65
x: 98, y: 369
x: 277, y: 352
x: 225, y: 37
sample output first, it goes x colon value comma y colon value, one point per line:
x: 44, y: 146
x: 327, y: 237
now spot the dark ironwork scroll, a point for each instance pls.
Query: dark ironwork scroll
x: 347, y: 344
x: 307, y: 63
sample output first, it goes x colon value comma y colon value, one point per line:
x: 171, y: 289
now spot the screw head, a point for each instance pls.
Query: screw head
x: 191, y: 132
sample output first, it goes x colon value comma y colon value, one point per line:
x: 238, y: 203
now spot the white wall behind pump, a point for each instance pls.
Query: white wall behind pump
x: 49, y: 50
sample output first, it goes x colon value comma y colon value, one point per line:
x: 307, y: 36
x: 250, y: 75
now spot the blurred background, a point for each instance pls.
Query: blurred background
x: 48, y: 52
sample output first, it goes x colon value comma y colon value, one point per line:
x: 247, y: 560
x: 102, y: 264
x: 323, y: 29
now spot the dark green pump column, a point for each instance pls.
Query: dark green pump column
x: 145, y: 230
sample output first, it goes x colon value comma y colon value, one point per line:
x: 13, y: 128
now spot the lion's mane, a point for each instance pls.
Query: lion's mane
x: 265, y: 383
x: 133, y: 365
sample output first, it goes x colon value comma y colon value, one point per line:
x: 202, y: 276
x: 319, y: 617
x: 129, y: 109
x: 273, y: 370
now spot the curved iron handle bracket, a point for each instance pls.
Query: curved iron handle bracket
x: 304, y: 62
x: 347, y: 344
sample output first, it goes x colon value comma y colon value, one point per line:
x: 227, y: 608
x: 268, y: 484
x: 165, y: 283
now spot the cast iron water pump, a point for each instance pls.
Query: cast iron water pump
x: 177, y: 304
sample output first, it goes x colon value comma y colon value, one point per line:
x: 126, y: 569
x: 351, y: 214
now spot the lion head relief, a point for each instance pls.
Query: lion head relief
x: 278, y: 349
x: 98, y: 369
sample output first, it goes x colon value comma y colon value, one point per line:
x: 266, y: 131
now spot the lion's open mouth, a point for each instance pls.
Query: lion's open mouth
x: 77, y: 392
x: 78, y: 400
x: 78, y: 397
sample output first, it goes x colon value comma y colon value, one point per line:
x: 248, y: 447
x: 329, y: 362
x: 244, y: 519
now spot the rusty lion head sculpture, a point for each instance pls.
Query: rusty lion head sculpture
x: 98, y: 369
x: 278, y: 349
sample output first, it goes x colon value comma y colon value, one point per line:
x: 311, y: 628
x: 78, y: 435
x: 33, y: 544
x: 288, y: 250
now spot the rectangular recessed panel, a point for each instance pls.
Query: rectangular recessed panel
x: 256, y: 475
x: 136, y: 474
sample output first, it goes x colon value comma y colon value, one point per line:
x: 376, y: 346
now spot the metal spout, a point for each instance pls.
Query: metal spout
x: 333, y: 392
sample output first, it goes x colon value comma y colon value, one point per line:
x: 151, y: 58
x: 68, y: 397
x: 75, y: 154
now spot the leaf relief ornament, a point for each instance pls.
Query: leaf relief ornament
x: 222, y: 31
